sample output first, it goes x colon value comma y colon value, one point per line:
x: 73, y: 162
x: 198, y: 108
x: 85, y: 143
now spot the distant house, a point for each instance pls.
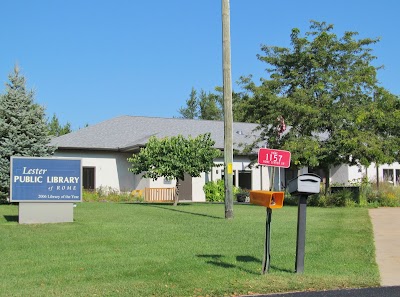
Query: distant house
x: 105, y: 147
x: 350, y: 175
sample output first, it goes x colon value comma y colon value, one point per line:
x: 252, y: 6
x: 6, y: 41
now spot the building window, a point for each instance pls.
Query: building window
x: 88, y: 178
x: 245, y: 180
x: 388, y: 175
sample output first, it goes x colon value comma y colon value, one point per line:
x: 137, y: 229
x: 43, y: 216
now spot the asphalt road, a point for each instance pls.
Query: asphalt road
x: 367, y: 292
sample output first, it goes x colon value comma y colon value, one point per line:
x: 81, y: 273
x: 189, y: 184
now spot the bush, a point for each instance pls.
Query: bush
x: 215, y: 191
x: 289, y: 199
x: 387, y: 195
x: 339, y: 198
x: 104, y: 194
x: 354, y: 190
x: 242, y: 195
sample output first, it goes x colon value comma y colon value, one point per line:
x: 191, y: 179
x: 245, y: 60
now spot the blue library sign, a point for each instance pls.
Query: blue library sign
x: 45, y: 179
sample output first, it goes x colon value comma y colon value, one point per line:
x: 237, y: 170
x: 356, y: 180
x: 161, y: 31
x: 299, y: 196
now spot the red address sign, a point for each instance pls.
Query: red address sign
x: 274, y: 158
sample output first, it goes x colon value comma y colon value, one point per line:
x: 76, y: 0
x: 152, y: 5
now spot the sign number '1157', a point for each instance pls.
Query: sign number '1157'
x: 274, y: 158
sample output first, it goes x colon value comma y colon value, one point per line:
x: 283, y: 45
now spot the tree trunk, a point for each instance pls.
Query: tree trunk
x: 377, y: 176
x: 176, y: 200
x: 327, y: 180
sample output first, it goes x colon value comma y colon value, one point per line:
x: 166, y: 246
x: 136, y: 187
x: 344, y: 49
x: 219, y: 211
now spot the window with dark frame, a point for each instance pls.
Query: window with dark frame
x: 88, y: 178
x: 388, y: 175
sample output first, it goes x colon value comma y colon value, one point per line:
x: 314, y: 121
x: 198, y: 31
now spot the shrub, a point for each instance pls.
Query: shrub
x: 215, y: 191
x: 242, y: 195
x: 386, y: 195
x: 317, y: 200
x: 289, y: 199
x: 108, y: 194
x: 312, y: 200
x: 339, y: 198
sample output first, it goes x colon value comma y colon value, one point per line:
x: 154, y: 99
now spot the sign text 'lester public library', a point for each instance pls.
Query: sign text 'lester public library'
x: 45, y: 180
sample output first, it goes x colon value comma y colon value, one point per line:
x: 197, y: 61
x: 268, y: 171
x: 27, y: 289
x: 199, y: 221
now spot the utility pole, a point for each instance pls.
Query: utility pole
x: 228, y: 118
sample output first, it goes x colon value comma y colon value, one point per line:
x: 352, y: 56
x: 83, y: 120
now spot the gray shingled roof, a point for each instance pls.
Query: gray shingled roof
x: 126, y: 133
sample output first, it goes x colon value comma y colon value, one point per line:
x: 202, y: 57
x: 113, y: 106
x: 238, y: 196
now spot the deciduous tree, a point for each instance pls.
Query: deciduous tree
x: 320, y: 86
x: 172, y: 157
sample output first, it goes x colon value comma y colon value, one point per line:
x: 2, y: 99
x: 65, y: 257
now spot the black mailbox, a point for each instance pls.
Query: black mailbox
x: 304, y: 184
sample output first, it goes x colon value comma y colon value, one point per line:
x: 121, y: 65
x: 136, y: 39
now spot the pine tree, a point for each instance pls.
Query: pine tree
x: 23, y: 128
x: 191, y: 109
x: 56, y: 129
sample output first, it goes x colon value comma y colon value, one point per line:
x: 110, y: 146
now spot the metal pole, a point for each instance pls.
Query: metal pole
x: 301, y: 234
x: 279, y: 178
x: 272, y: 186
x: 228, y: 117
x: 267, y: 247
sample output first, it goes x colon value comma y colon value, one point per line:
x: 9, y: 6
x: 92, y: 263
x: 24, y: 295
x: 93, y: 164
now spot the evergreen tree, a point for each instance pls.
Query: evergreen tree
x: 191, y: 109
x: 23, y: 129
x: 56, y: 129
x: 210, y: 106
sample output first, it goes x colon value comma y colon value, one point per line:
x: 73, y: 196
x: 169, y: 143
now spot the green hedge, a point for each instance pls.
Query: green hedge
x: 366, y: 194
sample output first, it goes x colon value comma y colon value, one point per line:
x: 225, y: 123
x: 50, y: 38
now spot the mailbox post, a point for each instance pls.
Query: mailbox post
x: 302, y: 186
x: 270, y: 200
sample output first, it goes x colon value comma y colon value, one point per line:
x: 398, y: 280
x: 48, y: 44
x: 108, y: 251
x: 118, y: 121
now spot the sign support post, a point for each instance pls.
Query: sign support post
x: 267, y: 245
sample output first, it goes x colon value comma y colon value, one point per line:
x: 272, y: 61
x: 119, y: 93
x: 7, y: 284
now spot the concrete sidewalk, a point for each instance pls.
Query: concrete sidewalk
x: 386, y: 225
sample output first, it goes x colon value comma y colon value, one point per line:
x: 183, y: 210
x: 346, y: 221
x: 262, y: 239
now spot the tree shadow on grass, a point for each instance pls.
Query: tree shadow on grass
x: 256, y: 260
x: 162, y: 206
x: 11, y: 218
x: 217, y: 260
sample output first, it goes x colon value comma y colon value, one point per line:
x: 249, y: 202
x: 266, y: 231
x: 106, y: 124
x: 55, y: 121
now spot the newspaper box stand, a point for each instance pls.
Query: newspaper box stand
x: 302, y: 186
x: 270, y: 200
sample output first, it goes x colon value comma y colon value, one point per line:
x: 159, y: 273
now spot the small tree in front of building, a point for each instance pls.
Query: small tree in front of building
x: 23, y: 128
x: 173, y: 157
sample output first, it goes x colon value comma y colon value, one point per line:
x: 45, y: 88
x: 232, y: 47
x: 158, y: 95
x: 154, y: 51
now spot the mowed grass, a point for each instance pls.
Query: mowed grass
x: 116, y: 249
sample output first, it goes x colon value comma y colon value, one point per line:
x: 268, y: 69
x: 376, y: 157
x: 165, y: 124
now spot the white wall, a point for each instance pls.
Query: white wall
x: 111, y: 169
x: 140, y: 183
x: 339, y: 174
x: 346, y: 174
x: 371, y: 171
x: 197, y: 188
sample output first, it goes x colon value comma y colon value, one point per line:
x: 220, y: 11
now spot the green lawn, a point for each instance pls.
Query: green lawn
x: 116, y: 249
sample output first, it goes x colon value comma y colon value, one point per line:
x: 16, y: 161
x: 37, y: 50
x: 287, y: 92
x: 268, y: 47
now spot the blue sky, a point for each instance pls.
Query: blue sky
x: 91, y: 60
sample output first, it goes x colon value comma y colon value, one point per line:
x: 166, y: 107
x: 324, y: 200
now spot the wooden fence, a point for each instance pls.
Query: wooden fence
x: 159, y: 194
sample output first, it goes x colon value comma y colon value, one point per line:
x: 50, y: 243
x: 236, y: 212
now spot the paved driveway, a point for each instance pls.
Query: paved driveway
x: 386, y: 224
